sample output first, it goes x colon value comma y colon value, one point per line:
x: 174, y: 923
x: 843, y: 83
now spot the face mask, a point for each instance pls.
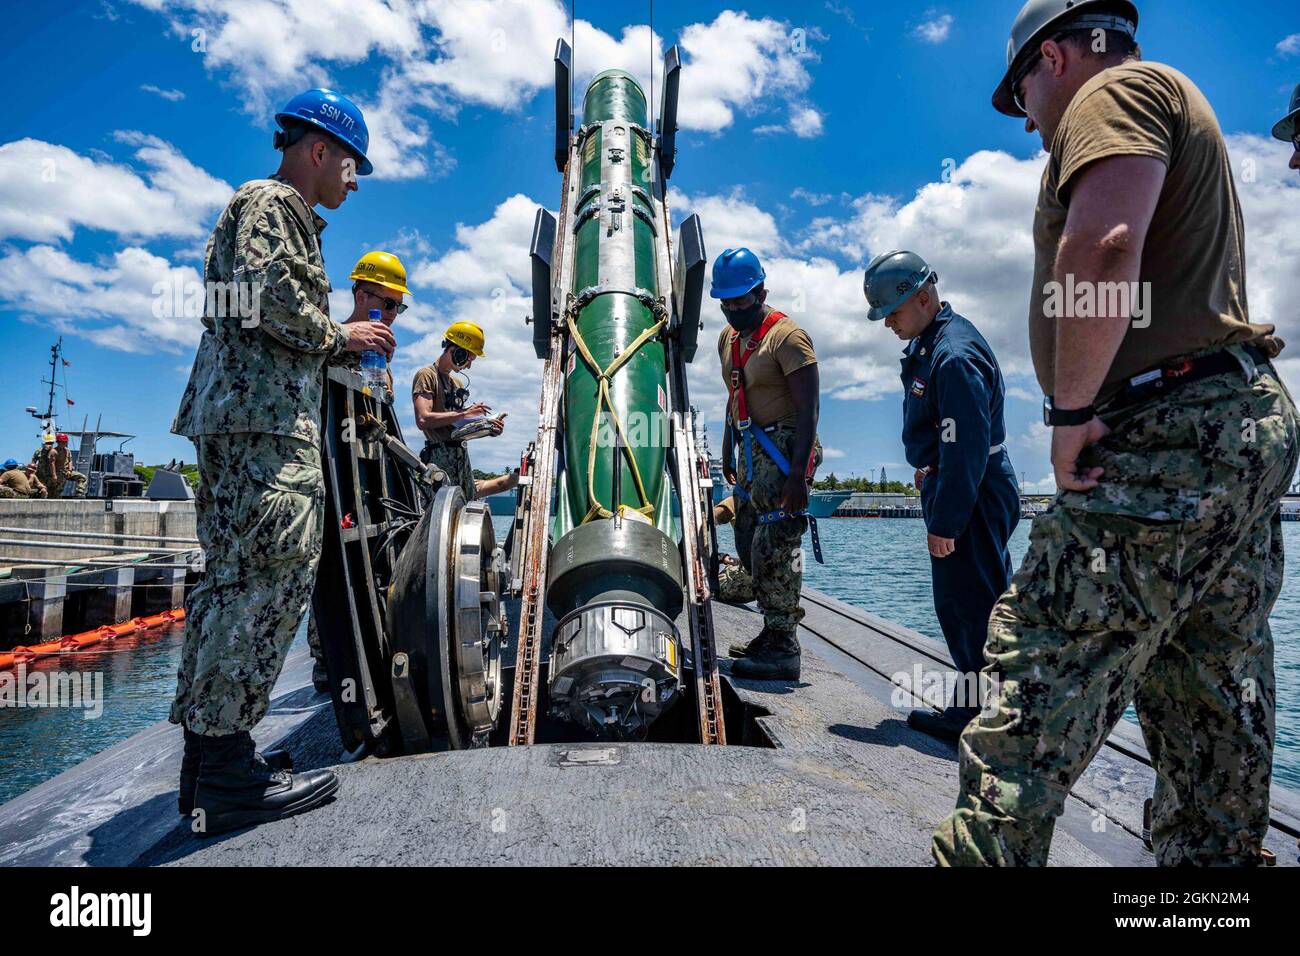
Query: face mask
x: 742, y: 320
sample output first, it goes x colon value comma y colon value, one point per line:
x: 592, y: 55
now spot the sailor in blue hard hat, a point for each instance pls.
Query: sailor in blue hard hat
x: 770, y: 371
x: 324, y: 130
x: 252, y: 408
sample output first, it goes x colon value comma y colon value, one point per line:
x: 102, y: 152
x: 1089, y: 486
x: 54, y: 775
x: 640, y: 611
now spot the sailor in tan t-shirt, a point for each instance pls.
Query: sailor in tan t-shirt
x: 773, y: 401
x: 439, y: 399
x: 1151, y: 578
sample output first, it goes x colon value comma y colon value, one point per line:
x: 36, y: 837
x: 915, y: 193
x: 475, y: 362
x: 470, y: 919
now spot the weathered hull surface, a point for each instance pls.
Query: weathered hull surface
x: 831, y: 775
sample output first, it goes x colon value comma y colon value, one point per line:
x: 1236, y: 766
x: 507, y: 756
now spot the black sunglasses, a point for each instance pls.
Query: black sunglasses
x: 1029, y: 68
x: 1020, y: 78
x: 388, y: 303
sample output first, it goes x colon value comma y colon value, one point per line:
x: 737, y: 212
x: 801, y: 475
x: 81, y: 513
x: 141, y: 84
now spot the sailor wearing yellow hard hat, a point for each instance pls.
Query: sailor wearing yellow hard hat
x: 378, y: 282
x: 447, y: 418
x: 378, y: 285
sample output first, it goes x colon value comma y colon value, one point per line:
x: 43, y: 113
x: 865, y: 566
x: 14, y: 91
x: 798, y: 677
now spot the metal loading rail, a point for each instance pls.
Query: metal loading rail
x: 607, y: 289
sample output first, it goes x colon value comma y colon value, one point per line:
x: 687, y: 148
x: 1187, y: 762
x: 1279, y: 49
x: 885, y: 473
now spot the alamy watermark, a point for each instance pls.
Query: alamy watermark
x: 53, y: 688
x: 1091, y: 300
x: 174, y: 297
x: 941, y: 689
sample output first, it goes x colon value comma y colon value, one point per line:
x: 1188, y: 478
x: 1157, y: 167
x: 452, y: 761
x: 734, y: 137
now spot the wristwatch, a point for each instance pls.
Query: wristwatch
x: 1053, y: 416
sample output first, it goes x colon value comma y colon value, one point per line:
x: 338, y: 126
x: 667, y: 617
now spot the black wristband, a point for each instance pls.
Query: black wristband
x: 1053, y: 416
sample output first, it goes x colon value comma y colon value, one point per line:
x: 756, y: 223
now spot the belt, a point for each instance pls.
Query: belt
x: 1157, y: 381
x: 931, y: 469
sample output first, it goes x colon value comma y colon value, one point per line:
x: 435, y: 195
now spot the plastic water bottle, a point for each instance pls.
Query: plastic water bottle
x: 374, y: 367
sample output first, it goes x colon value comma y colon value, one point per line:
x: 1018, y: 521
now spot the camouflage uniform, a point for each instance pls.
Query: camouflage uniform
x: 770, y: 553
x: 1154, y: 588
x: 735, y: 586
x: 54, y: 467
x: 252, y: 407
x: 453, y: 458
x: 14, y: 483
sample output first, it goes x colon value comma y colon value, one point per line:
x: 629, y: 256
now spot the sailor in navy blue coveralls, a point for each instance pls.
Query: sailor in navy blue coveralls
x: 953, y: 432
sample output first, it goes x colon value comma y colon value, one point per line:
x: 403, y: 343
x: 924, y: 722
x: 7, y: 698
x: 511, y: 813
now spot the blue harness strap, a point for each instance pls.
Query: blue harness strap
x: 771, y: 517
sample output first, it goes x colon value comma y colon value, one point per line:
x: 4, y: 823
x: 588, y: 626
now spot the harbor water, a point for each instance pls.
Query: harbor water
x: 880, y: 565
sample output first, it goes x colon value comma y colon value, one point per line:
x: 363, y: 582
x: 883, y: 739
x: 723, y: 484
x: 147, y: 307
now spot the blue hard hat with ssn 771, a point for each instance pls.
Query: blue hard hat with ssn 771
x: 736, y: 272
x: 335, y: 114
x: 892, y: 279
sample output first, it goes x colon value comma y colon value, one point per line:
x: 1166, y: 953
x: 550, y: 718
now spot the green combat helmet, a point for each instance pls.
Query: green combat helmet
x: 892, y: 279
x: 1041, y: 20
x: 1285, y: 129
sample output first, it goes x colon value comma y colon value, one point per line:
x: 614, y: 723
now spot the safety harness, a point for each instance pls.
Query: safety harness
x: 736, y: 397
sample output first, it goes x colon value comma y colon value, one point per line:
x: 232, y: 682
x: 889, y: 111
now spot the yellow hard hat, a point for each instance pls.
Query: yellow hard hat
x: 48, y: 439
x: 467, y: 335
x: 381, y: 268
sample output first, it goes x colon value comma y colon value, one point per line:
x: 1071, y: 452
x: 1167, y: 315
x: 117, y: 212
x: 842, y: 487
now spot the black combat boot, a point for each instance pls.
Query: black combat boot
x: 236, y: 789
x: 275, y: 759
x: 777, y: 660
x: 753, y: 645
x: 946, y: 725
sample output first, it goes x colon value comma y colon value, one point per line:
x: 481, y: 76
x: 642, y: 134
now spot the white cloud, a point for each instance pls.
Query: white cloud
x: 935, y: 29
x: 115, y: 305
x: 273, y: 45
x: 736, y: 62
x: 172, y: 96
x: 829, y: 453
x: 47, y: 191
x: 437, y: 55
x: 1290, y: 45
x: 805, y: 122
x: 811, y: 198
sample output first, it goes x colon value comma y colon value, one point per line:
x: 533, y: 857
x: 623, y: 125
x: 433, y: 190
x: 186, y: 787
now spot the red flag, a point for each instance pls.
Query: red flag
x: 66, y: 363
x: 70, y: 401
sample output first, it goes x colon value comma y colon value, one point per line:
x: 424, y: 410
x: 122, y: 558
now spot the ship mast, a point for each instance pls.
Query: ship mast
x: 47, y: 420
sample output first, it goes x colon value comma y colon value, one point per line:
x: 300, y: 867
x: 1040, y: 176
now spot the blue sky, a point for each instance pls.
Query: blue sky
x: 817, y: 133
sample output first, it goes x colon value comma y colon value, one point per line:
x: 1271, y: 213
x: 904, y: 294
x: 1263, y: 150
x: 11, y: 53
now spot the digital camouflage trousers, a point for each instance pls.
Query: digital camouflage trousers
x: 260, y: 515
x: 1155, y: 588
x: 771, y: 553
x: 454, y: 460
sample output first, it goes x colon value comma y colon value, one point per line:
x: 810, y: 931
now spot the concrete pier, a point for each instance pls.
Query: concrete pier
x: 111, y: 516
x: 45, y: 592
x: 110, y: 601
x: 158, y: 589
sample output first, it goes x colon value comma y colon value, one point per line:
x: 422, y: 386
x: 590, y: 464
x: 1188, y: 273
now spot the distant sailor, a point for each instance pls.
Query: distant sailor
x: 1151, y: 578
x: 1288, y: 128
x: 770, y: 370
x: 439, y: 397
x: 54, y: 468
x: 252, y: 407
x: 953, y: 435
x: 20, y: 481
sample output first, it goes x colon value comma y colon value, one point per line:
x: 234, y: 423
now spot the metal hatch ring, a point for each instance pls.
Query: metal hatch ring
x: 479, y: 620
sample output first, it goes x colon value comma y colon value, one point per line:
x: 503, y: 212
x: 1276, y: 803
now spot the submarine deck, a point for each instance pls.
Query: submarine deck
x: 842, y: 780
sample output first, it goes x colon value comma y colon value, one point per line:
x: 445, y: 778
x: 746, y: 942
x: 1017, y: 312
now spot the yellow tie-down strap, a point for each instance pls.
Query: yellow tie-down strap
x: 603, y: 376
